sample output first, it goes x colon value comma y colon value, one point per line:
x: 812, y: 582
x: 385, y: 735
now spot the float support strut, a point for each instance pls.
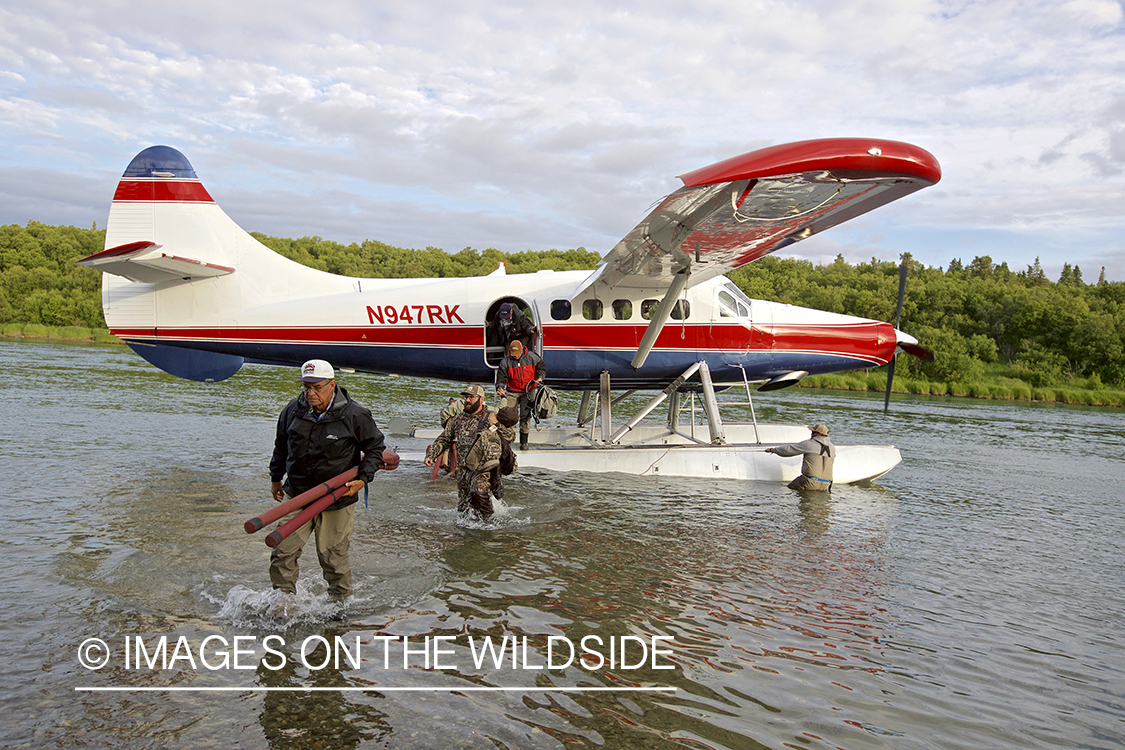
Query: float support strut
x: 603, y: 396
x: 711, y: 406
x: 655, y: 402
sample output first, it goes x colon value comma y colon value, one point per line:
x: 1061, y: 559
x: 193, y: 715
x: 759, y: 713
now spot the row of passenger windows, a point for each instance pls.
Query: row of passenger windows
x: 621, y: 309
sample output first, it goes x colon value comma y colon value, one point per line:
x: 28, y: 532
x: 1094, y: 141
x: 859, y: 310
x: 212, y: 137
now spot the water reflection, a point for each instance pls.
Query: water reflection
x: 815, y: 509
x: 316, y: 719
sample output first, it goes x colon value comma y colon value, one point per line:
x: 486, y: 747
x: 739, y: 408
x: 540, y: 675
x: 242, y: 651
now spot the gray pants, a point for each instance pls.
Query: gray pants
x: 524, y: 401
x: 333, y: 530
x: 808, y: 483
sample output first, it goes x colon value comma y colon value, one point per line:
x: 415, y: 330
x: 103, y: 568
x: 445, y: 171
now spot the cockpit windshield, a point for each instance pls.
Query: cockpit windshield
x: 733, y: 303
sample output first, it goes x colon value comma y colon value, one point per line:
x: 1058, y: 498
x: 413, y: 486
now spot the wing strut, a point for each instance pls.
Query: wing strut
x: 663, y: 311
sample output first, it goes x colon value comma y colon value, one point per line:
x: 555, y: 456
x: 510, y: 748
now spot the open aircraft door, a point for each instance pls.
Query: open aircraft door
x: 493, y: 341
x: 537, y: 319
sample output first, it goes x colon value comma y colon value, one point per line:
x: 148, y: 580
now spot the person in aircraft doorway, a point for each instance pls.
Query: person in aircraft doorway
x: 520, y: 372
x: 511, y: 324
x: 816, y: 466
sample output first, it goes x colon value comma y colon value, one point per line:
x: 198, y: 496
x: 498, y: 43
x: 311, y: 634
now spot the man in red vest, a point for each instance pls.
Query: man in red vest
x: 520, y: 372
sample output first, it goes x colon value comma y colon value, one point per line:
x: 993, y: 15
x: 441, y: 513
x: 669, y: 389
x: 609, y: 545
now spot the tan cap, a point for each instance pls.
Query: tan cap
x: 473, y: 390
x: 820, y: 427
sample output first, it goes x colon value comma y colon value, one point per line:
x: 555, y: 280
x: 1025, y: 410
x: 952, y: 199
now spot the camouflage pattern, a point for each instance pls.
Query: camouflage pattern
x: 478, y: 454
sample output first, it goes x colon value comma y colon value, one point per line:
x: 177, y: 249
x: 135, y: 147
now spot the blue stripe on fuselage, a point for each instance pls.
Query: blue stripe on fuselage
x: 566, y: 368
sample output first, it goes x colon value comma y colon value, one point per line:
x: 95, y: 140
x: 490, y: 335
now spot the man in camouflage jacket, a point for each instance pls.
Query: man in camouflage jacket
x: 475, y: 434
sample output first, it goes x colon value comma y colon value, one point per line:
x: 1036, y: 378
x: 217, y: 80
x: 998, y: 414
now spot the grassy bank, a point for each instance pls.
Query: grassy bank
x: 995, y: 387
x: 37, y: 332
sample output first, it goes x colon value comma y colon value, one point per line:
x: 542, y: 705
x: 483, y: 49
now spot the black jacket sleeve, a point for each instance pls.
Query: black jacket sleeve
x: 371, y: 443
x: 502, y: 373
x: 281, y: 445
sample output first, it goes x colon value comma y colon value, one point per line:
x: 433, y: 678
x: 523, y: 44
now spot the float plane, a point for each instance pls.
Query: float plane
x: 197, y: 296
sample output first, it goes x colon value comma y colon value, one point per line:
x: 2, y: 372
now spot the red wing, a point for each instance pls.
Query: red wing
x: 738, y: 210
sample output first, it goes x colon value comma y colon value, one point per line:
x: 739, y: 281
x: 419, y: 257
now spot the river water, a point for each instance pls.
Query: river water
x: 973, y: 598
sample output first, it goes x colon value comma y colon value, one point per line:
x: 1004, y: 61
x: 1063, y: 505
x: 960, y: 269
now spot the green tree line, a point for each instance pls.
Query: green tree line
x: 977, y: 318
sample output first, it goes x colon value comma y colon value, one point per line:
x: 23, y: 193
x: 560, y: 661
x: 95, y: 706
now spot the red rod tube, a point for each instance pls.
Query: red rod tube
x: 283, y: 509
x: 275, y: 537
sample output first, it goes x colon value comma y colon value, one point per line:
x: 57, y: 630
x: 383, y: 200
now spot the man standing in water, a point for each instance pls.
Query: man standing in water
x: 816, y: 466
x: 321, y: 434
x: 475, y: 433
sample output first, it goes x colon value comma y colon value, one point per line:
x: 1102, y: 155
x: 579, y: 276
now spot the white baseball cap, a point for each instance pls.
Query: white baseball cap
x: 316, y: 370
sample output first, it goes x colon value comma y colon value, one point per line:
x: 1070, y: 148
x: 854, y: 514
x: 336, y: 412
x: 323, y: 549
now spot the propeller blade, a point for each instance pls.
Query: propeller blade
x: 890, y: 379
x: 898, y: 320
x: 920, y: 352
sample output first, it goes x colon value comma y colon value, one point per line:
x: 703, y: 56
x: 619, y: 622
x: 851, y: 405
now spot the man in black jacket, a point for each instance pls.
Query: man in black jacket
x: 511, y: 325
x: 320, y: 434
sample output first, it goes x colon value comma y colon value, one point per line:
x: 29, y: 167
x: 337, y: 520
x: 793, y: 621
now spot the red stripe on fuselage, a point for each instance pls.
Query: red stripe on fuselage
x: 161, y: 190
x: 872, y: 341
x: 450, y: 336
x: 626, y: 336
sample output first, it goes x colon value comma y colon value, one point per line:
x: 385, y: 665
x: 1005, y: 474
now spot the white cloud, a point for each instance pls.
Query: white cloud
x: 493, y: 123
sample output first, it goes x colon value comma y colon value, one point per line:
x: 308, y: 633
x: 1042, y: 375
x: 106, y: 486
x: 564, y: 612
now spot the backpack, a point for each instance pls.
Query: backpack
x: 451, y: 410
x: 546, y: 403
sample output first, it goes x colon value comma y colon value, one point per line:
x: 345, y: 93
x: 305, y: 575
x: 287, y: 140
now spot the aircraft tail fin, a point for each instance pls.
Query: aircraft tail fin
x: 178, y: 272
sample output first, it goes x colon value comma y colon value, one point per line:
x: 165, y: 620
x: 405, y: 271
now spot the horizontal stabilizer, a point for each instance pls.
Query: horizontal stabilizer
x: 145, y: 262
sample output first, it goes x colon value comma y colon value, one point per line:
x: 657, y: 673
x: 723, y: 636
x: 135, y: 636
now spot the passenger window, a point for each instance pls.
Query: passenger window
x: 648, y: 308
x: 560, y: 309
x: 728, y: 308
x: 681, y: 309
x: 622, y: 309
x: 592, y: 309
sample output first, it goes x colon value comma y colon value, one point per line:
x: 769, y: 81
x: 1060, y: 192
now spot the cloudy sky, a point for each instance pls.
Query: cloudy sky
x: 557, y: 125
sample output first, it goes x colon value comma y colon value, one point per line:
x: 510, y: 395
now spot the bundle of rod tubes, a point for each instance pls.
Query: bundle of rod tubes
x: 313, y: 502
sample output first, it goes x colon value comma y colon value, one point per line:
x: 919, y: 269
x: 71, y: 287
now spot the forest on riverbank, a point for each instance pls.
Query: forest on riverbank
x: 995, y: 332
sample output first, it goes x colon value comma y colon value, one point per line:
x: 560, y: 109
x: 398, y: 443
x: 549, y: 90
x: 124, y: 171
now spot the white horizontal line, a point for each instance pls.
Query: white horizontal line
x: 290, y: 689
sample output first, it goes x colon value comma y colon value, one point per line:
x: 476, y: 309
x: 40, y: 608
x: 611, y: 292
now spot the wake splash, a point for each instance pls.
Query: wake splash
x: 275, y: 610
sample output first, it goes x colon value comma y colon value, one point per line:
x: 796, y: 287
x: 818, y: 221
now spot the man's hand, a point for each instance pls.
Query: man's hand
x: 276, y: 491
x: 428, y: 461
x: 355, y: 486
